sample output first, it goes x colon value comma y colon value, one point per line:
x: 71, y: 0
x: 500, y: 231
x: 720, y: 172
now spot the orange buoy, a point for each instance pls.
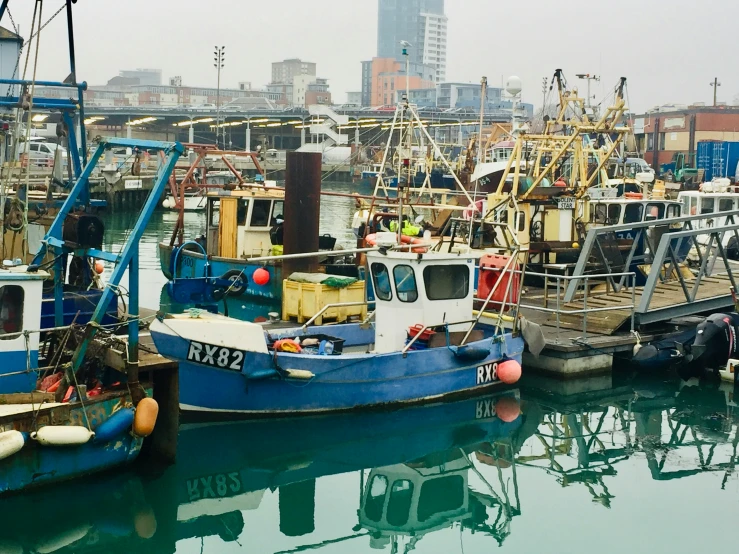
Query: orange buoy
x: 99, y: 267
x: 146, y: 417
x: 145, y: 522
x: 507, y: 409
x: 509, y: 371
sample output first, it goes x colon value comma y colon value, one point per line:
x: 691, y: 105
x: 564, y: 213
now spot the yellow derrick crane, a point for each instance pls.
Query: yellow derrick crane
x: 548, y: 175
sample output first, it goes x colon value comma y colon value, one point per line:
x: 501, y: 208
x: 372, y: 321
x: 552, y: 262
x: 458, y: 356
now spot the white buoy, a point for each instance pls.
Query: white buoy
x: 62, y: 435
x: 167, y: 204
x: 10, y: 443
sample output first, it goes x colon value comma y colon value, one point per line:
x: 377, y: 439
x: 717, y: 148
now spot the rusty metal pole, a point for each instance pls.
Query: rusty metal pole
x: 302, y: 209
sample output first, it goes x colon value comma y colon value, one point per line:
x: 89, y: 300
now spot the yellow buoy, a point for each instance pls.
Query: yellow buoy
x: 575, y: 245
x: 145, y: 522
x: 146, y: 417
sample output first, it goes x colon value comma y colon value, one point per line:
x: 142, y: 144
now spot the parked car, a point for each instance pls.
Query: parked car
x: 41, y: 153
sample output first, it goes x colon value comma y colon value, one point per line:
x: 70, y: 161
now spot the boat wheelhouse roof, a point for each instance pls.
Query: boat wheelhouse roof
x: 251, y: 191
x: 20, y: 273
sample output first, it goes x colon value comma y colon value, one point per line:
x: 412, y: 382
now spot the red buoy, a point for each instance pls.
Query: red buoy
x: 260, y: 276
x: 507, y: 409
x: 509, y: 372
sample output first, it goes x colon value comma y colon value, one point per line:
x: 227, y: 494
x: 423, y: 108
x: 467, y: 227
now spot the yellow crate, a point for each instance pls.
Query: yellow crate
x: 302, y: 301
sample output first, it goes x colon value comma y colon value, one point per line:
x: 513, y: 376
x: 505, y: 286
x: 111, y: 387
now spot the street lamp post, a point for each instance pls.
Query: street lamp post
x: 220, y: 59
x: 715, y: 84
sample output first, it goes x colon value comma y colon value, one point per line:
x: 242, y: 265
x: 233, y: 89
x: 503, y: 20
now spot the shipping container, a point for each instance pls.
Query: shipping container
x: 704, y: 158
x: 718, y: 159
x: 725, y: 158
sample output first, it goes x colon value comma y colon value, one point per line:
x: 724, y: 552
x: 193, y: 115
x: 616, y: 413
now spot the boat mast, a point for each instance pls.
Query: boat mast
x: 405, y: 44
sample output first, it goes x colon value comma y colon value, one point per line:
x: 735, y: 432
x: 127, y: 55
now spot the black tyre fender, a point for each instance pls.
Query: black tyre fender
x: 233, y: 275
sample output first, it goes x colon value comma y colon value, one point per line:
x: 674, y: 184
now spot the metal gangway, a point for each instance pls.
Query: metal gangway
x: 684, y: 267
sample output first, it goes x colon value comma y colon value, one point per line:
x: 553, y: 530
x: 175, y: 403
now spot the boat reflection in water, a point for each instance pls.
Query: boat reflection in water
x: 429, y: 478
x: 226, y: 469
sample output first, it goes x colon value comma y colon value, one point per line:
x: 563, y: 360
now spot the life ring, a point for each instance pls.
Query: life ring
x: 371, y: 240
x: 634, y: 195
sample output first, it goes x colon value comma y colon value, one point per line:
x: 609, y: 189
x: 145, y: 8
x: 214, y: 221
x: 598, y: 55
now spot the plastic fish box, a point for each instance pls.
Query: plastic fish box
x: 302, y: 301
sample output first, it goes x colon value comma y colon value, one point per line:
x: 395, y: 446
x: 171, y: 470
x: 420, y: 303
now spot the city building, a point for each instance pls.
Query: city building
x: 286, y: 70
x: 404, y: 20
x: 308, y: 90
x: 388, y: 75
x: 466, y: 95
x: 367, y: 83
x: 152, y: 77
x: 434, y: 43
x: 354, y: 98
x: 168, y: 96
x: 668, y: 130
x: 463, y: 96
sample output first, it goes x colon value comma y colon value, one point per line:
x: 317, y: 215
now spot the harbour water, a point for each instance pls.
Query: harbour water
x: 637, y: 467
x: 624, y: 465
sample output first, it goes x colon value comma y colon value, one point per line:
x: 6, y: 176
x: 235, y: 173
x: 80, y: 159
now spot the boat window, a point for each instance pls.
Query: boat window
x: 440, y: 495
x: 405, y: 283
x: 260, y: 213
x: 656, y: 210
x: 215, y: 213
x: 11, y: 310
x: 673, y: 210
x: 447, y: 282
x: 599, y: 214
x: 381, y: 280
x: 725, y: 204
x: 633, y: 213
x: 243, y: 207
x: 278, y: 211
x: 520, y: 221
x: 376, y: 498
x: 399, y: 506
x: 614, y: 214
x: 707, y: 205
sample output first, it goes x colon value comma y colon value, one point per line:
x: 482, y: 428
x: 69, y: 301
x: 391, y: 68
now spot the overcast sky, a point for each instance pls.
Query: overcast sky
x: 668, y: 49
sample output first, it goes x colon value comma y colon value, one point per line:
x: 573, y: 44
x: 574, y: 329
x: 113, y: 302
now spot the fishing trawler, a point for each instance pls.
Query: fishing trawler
x: 65, y: 410
x: 425, y: 343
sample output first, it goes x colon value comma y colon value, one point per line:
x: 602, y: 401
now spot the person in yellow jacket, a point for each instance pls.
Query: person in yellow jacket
x: 409, y: 229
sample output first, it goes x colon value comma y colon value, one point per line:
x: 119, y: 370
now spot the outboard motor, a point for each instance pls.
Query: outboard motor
x: 715, y: 342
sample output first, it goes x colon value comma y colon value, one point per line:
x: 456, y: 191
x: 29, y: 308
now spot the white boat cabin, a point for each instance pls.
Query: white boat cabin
x: 20, y: 310
x: 403, y: 500
x: 618, y: 211
x: 239, y: 221
x: 410, y: 289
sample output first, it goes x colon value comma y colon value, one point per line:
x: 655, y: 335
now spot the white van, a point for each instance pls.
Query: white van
x: 42, y: 153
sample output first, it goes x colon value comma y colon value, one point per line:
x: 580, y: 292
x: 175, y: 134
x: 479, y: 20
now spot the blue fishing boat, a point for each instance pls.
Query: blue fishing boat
x: 424, y: 344
x: 64, y: 412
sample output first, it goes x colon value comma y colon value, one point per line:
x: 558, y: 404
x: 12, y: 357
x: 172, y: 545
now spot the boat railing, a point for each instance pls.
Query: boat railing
x: 333, y: 306
x: 427, y: 327
x: 563, y: 308
x: 562, y: 282
x: 596, y: 244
